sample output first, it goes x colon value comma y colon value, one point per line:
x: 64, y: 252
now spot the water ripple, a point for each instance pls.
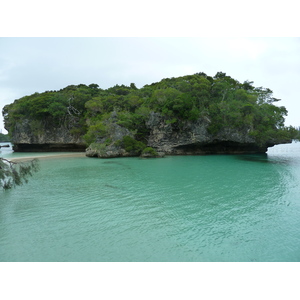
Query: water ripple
x: 197, y: 208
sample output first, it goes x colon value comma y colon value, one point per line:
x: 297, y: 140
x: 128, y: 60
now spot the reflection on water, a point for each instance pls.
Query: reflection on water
x: 262, y: 158
x: 287, y: 154
x: 194, y: 208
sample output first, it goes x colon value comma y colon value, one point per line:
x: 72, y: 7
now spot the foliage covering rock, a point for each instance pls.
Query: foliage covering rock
x: 192, y: 114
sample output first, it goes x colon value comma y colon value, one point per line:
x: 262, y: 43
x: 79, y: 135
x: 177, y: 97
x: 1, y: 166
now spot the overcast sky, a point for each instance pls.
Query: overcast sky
x: 29, y: 65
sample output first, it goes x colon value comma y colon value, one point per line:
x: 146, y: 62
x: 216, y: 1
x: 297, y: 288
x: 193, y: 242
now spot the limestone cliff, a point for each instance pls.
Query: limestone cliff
x: 190, y: 139
x: 191, y: 114
x: 109, y: 145
x: 193, y: 138
x: 36, y: 136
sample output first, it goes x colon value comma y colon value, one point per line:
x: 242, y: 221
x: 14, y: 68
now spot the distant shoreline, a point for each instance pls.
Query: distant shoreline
x: 26, y: 158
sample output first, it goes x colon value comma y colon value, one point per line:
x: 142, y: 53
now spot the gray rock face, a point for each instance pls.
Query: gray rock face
x: 193, y: 138
x: 164, y: 138
x: 190, y: 138
x: 37, y: 136
x: 109, y: 151
x: 115, y: 133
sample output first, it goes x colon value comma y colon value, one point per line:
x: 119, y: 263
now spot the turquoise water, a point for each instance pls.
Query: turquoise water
x: 180, y: 208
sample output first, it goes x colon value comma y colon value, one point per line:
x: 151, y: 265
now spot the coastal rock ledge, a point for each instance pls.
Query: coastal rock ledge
x: 192, y: 138
x: 187, y: 115
x: 43, y: 138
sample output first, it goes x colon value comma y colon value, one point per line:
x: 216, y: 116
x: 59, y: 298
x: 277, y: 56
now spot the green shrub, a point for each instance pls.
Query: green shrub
x: 149, y: 150
x: 132, y: 145
x: 95, y: 131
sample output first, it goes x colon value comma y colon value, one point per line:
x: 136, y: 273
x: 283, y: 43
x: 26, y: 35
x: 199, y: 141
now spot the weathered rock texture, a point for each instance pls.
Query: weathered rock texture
x: 189, y: 138
x: 193, y: 138
x: 39, y: 136
x: 115, y: 133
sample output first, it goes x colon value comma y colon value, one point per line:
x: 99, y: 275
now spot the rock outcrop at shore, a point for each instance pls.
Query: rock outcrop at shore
x: 191, y: 139
x: 186, y: 115
x: 29, y: 136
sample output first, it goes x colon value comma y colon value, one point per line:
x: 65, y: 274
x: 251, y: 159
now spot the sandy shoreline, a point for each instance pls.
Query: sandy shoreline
x: 58, y: 155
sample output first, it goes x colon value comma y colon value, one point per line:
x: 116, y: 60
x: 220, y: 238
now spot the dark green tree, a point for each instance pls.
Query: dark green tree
x: 13, y: 174
x: 4, y: 137
x: 221, y: 102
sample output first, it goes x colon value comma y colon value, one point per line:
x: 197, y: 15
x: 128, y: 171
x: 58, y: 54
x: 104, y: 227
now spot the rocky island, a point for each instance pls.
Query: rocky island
x: 188, y: 115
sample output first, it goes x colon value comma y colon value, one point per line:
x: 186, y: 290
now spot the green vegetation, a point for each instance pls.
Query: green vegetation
x: 298, y: 134
x: 150, y: 151
x: 132, y: 145
x: 4, y: 138
x: 13, y: 174
x: 223, y: 102
x: 63, y: 108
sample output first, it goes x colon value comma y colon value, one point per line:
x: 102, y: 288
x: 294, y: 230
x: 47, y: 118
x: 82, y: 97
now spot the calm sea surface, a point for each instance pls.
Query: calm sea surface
x: 180, y: 208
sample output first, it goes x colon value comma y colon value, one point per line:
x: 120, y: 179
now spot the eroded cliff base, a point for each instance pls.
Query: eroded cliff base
x: 49, y: 147
x: 218, y: 147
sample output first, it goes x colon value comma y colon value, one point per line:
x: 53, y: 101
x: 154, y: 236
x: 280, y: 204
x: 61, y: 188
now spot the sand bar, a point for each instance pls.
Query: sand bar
x: 58, y: 155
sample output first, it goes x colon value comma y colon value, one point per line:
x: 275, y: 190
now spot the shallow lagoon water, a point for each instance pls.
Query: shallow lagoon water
x: 177, y: 208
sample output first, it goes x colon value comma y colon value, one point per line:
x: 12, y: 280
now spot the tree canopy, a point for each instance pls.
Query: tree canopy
x: 4, y: 138
x: 221, y: 100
